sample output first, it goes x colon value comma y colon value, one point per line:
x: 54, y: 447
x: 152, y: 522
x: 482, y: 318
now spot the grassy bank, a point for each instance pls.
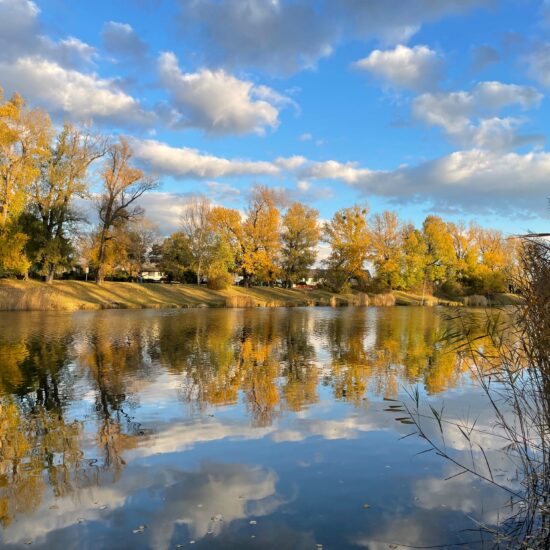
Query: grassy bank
x: 76, y: 295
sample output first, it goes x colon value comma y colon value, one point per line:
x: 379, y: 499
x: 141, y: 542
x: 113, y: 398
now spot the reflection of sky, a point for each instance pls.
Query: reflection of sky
x: 203, y: 475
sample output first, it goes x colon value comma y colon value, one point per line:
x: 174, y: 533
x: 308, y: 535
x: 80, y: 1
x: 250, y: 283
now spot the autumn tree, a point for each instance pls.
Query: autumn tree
x: 386, y: 248
x: 495, y: 262
x: 123, y: 184
x: 175, y: 257
x: 300, y: 236
x: 63, y: 178
x: 138, y: 238
x: 349, y: 238
x: 465, y: 247
x: 220, y: 264
x: 255, y: 239
x: 440, y: 255
x: 413, y: 257
x: 24, y: 139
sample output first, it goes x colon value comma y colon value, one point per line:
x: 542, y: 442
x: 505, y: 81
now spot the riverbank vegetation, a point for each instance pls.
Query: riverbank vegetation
x: 18, y: 295
x: 511, y: 364
x: 46, y: 173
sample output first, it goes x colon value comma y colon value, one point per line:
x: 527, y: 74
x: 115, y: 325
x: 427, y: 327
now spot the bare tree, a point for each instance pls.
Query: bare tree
x: 122, y: 186
x: 195, y: 225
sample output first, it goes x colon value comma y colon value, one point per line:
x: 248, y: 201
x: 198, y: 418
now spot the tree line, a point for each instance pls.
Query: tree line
x: 276, y: 242
x: 45, y: 173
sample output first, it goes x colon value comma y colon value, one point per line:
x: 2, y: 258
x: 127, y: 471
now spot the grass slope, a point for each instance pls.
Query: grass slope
x: 74, y: 295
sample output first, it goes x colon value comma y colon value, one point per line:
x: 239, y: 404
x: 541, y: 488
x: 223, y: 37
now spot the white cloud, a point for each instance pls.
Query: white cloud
x: 465, y: 116
x: 49, y: 73
x: 417, y: 68
x: 348, y: 172
x: 305, y: 137
x: 183, y: 162
x: 70, y: 92
x: 20, y: 36
x: 464, y: 181
x: 18, y: 25
x: 120, y: 39
x: 473, y: 180
x: 285, y: 36
x: 218, y: 102
x: 290, y: 163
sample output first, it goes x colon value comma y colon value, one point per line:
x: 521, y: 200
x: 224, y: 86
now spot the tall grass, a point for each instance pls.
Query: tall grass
x: 514, y: 373
x: 239, y: 300
x: 35, y: 299
x: 382, y: 300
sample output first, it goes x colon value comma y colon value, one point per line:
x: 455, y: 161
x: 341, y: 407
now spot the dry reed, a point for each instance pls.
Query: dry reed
x: 382, y: 300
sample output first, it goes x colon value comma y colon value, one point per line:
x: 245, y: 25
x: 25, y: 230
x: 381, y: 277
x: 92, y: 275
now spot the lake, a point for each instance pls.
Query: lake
x: 235, y: 428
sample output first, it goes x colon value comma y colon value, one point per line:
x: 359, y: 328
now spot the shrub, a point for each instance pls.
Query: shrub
x: 221, y: 281
x: 452, y: 289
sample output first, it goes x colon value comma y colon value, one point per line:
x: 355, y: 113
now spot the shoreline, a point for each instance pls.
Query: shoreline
x: 16, y: 295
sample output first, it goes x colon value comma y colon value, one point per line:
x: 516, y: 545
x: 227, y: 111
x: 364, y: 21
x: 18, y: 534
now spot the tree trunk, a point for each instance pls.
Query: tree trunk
x: 100, y: 275
x: 50, y: 274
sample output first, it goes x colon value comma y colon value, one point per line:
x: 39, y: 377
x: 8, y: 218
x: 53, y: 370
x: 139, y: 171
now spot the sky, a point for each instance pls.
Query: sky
x: 419, y: 106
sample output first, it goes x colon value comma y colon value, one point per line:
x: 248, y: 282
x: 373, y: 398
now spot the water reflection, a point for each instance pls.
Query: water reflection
x: 157, y: 427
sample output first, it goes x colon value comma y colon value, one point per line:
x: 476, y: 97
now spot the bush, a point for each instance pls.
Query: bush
x: 452, y: 289
x: 221, y: 281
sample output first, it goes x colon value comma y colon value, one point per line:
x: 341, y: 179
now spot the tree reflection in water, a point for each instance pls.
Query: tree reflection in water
x: 70, y: 385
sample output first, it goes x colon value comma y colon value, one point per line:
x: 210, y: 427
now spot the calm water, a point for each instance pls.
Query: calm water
x: 275, y: 428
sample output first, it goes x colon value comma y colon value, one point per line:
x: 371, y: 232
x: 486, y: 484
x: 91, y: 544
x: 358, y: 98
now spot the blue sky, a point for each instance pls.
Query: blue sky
x: 421, y: 106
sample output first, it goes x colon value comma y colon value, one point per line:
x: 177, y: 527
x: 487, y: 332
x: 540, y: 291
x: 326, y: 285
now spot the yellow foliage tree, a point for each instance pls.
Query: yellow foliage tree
x: 348, y: 235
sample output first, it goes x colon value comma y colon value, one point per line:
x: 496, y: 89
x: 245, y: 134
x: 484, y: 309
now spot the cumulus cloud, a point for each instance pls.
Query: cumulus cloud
x: 70, y: 92
x: 348, y: 172
x: 218, y: 102
x: 21, y: 35
x: 474, y: 180
x: 287, y: 35
x: 120, y: 39
x: 183, y: 162
x: 467, y: 116
x: 55, y: 74
x: 417, y: 68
